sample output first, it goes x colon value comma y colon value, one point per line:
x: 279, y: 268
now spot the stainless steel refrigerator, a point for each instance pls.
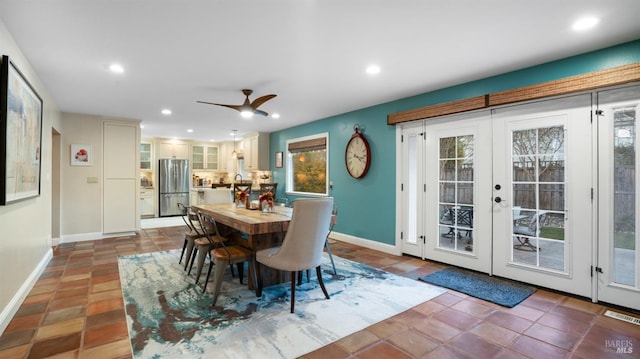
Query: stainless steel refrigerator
x: 173, y: 182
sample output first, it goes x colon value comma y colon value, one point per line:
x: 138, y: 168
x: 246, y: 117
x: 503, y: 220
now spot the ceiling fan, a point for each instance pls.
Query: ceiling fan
x: 247, y: 109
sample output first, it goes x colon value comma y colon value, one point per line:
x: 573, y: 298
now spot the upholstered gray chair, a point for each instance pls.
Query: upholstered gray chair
x: 303, y: 244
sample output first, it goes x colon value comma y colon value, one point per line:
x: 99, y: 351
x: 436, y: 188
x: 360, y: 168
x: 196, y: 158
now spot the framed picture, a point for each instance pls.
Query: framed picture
x: 81, y: 155
x: 279, y: 159
x: 20, y: 135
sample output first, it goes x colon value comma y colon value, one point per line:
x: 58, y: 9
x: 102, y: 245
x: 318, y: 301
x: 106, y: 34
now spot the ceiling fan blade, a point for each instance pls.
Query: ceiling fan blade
x: 260, y: 100
x: 260, y: 112
x: 235, y: 107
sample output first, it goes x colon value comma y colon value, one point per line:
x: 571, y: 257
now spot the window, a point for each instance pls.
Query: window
x: 307, y: 167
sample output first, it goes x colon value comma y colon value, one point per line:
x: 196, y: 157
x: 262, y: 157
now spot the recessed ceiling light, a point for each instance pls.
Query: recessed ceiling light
x: 585, y: 23
x: 166, y: 111
x: 117, y: 68
x: 373, y: 69
x: 275, y: 115
x: 190, y: 130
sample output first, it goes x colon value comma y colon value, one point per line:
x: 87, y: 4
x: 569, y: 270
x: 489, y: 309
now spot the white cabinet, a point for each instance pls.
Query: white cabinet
x: 256, y: 152
x: 146, y: 202
x: 172, y: 149
x: 204, y: 157
x: 146, y: 156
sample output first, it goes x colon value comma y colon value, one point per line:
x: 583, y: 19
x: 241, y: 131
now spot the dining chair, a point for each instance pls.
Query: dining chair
x: 191, y: 234
x: 225, y: 254
x: 303, y: 243
x: 268, y: 187
x: 241, y: 187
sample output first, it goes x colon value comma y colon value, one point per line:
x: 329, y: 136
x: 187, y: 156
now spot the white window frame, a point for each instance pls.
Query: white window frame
x: 289, y: 165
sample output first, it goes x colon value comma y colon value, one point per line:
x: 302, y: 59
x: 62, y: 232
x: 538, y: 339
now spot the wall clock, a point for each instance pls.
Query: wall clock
x: 357, y: 155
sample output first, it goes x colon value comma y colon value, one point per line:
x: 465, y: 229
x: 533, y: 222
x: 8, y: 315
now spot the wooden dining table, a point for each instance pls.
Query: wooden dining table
x: 260, y: 230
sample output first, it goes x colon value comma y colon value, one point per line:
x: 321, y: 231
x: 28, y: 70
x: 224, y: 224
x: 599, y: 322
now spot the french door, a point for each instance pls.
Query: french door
x: 542, y: 188
x: 504, y: 192
x: 618, y: 261
x: 445, y: 211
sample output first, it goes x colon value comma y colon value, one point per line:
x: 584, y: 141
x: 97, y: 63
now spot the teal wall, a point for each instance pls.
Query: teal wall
x: 366, y: 207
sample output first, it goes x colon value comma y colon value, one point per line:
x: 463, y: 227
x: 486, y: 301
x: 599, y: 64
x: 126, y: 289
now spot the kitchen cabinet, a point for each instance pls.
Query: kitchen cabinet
x: 146, y: 156
x: 172, y: 149
x: 204, y: 157
x: 146, y: 202
x: 256, y: 151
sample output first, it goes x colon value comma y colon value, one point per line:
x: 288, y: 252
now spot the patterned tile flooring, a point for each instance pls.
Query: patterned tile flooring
x: 75, y: 310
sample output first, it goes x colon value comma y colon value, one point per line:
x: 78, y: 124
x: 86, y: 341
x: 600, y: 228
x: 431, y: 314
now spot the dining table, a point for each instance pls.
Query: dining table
x: 251, y: 228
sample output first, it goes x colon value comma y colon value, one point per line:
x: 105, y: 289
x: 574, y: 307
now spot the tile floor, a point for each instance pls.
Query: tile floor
x: 75, y: 310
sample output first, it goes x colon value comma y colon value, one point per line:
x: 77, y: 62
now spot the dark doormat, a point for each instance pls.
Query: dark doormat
x: 496, y: 290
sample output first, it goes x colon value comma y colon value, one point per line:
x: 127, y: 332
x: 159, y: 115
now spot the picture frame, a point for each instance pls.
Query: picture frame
x: 279, y: 159
x: 81, y: 155
x: 21, y: 111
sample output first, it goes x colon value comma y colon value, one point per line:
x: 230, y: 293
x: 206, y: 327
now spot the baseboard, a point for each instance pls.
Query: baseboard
x: 81, y: 237
x: 12, y: 308
x: 367, y: 243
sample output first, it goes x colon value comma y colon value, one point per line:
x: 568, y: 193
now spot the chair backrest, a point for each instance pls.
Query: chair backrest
x: 268, y: 187
x: 241, y: 187
x: 207, y: 220
x: 187, y: 215
x: 304, y: 242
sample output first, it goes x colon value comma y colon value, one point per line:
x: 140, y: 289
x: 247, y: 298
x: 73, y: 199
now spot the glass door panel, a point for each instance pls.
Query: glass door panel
x: 618, y: 269
x: 538, y: 195
x: 456, y: 193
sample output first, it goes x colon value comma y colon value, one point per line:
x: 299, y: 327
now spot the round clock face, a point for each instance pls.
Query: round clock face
x: 357, y: 156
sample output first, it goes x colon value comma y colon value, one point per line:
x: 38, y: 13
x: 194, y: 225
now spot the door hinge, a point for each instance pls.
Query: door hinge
x: 424, y: 187
x: 597, y: 269
x: 591, y: 194
x: 401, y: 138
x: 401, y: 187
x: 401, y: 235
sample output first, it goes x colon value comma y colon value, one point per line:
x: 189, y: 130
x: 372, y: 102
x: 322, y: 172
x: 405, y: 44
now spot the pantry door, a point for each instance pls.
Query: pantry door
x: 618, y: 269
x: 542, y: 193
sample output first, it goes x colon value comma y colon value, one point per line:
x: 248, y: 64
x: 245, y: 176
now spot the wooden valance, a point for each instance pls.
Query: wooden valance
x: 319, y: 143
x: 585, y: 82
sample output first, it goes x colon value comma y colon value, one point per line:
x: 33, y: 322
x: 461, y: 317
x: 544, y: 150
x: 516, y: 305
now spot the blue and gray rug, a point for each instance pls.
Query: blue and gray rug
x: 169, y: 316
x: 500, y: 291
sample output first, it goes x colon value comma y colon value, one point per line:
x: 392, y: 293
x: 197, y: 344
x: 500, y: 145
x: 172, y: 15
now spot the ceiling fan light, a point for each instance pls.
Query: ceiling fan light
x: 246, y: 113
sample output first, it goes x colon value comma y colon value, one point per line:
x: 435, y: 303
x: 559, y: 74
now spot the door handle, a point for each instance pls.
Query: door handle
x: 498, y: 199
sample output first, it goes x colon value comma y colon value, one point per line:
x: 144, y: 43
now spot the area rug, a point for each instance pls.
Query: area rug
x: 500, y: 291
x: 169, y: 316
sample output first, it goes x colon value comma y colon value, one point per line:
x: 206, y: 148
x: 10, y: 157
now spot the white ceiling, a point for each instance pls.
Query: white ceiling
x: 311, y: 53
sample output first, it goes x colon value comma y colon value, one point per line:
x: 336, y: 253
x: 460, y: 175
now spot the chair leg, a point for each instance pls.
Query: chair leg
x: 218, y: 276
x: 184, y: 247
x: 333, y: 264
x: 188, y: 253
x: 201, y: 257
x: 240, y: 270
x: 194, y: 254
x: 259, y: 279
x: 293, y: 289
x: 319, y: 274
x: 204, y: 285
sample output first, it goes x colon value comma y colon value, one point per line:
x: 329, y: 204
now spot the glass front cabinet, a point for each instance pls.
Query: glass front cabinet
x: 204, y: 157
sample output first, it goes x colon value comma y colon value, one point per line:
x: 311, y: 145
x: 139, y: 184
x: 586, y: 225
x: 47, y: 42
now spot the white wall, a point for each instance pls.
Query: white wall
x: 25, y: 226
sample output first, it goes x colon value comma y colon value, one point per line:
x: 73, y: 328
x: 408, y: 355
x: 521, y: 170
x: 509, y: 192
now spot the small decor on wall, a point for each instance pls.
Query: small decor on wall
x: 20, y: 135
x: 279, y: 156
x: 81, y: 155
